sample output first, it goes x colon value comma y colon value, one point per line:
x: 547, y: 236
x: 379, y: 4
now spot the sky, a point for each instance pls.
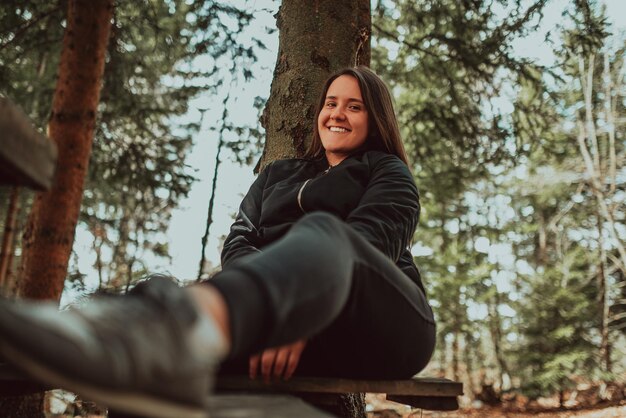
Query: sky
x: 189, y: 219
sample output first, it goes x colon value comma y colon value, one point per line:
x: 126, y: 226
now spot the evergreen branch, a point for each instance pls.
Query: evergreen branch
x: 411, y: 45
x: 20, y: 31
x: 617, y: 317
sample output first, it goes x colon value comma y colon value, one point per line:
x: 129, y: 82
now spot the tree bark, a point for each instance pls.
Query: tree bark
x: 603, y: 300
x: 472, y: 359
x: 52, y: 222
x: 456, y: 372
x: 8, y: 237
x: 495, y: 329
x: 316, y: 39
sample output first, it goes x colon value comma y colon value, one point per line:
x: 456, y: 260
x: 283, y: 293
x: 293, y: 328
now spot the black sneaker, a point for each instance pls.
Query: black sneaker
x: 148, y: 353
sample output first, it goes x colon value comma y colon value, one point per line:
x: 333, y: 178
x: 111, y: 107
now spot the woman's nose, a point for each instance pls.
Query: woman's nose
x: 337, y: 114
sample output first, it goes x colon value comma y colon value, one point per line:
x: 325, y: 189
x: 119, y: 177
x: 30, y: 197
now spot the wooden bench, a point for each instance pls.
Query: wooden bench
x: 239, y: 393
x: 27, y: 158
x: 419, y: 392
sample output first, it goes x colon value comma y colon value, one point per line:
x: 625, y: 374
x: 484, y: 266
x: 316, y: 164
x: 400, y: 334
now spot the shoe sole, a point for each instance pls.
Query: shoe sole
x: 133, y: 403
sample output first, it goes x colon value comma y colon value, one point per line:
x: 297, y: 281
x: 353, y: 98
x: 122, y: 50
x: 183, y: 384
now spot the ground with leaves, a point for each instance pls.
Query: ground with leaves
x: 378, y: 407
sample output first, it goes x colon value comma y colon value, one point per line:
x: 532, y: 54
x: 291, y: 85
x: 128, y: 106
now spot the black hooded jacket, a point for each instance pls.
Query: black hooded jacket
x: 372, y: 191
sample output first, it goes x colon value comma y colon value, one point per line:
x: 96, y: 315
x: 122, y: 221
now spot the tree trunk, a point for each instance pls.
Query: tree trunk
x: 316, y: 39
x: 495, y: 329
x: 52, y: 222
x: 117, y: 268
x: 456, y: 372
x: 471, y: 355
x: 441, y: 353
x: 8, y: 237
x: 603, y: 302
x: 209, y: 219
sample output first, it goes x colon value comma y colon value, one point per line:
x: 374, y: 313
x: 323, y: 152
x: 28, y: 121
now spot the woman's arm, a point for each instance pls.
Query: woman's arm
x: 389, y: 209
x: 243, y: 235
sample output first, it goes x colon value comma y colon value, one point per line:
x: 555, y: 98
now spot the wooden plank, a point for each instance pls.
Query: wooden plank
x: 420, y: 386
x: 27, y: 158
x: 14, y: 382
x: 253, y: 406
x: 262, y: 406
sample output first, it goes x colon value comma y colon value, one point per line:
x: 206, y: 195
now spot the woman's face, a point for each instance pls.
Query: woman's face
x: 342, y: 123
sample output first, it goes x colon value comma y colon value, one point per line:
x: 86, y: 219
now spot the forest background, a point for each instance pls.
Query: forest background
x: 519, y: 158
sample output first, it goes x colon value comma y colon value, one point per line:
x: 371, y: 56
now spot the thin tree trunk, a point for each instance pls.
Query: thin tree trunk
x: 610, y: 110
x: 587, y: 131
x: 310, y: 48
x: 98, y: 242
x: 542, y: 237
x: 52, y: 222
x: 441, y: 353
x: 469, y: 350
x: 118, y: 265
x: 10, y: 284
x: 209, y: 221
x: 455, y: 355
x: 495, y: 329
x: 8, y: 237
x: 129, y: 275
x: 603, y: 303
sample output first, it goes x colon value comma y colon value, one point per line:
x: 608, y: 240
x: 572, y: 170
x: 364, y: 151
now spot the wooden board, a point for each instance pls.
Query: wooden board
x: 253, y: 406
x: 419, y: 386
x: 13, y: 382
x: 262, y: 406
x: 27, y: 158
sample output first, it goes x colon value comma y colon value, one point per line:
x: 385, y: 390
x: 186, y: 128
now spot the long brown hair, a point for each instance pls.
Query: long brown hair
x: 383, y: 132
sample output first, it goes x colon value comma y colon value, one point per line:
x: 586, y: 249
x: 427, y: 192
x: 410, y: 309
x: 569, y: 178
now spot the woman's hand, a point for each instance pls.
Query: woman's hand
x: 277, y: 361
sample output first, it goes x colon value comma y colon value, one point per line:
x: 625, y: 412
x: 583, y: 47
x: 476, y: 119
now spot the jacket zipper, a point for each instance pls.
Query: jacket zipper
x: 302, y: 188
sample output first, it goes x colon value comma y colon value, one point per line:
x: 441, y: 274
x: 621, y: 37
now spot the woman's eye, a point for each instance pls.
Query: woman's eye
x: 330, y: 104
x: 355, y: 107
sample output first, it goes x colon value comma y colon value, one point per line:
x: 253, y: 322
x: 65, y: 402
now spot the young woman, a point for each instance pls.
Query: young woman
x: 317, y: 279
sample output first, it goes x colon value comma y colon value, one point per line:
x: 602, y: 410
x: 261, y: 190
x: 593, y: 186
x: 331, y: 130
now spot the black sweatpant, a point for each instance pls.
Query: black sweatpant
x: 361, y: 315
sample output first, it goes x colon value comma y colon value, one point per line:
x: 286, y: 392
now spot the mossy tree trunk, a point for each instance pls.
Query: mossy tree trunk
x: 316, y: 38
x: 49, y: 233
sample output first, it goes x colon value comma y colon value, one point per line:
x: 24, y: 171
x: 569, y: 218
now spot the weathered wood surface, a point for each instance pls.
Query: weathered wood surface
x: 419, y: 386
x: 254, y: 406
x: 14, y: 382
x: 262, y: 406
x: 27, y: 158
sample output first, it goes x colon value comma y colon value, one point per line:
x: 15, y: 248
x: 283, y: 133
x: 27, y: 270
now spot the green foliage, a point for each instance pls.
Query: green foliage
x: 557, y: 320
x: 510, y: 223
x: 446, y: 61
x: 560, y: 312
x: 30, y: 46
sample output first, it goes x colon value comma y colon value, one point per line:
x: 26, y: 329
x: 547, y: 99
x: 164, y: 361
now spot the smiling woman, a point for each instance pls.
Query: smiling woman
x: 317, y: 280
x: 342, y: 121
